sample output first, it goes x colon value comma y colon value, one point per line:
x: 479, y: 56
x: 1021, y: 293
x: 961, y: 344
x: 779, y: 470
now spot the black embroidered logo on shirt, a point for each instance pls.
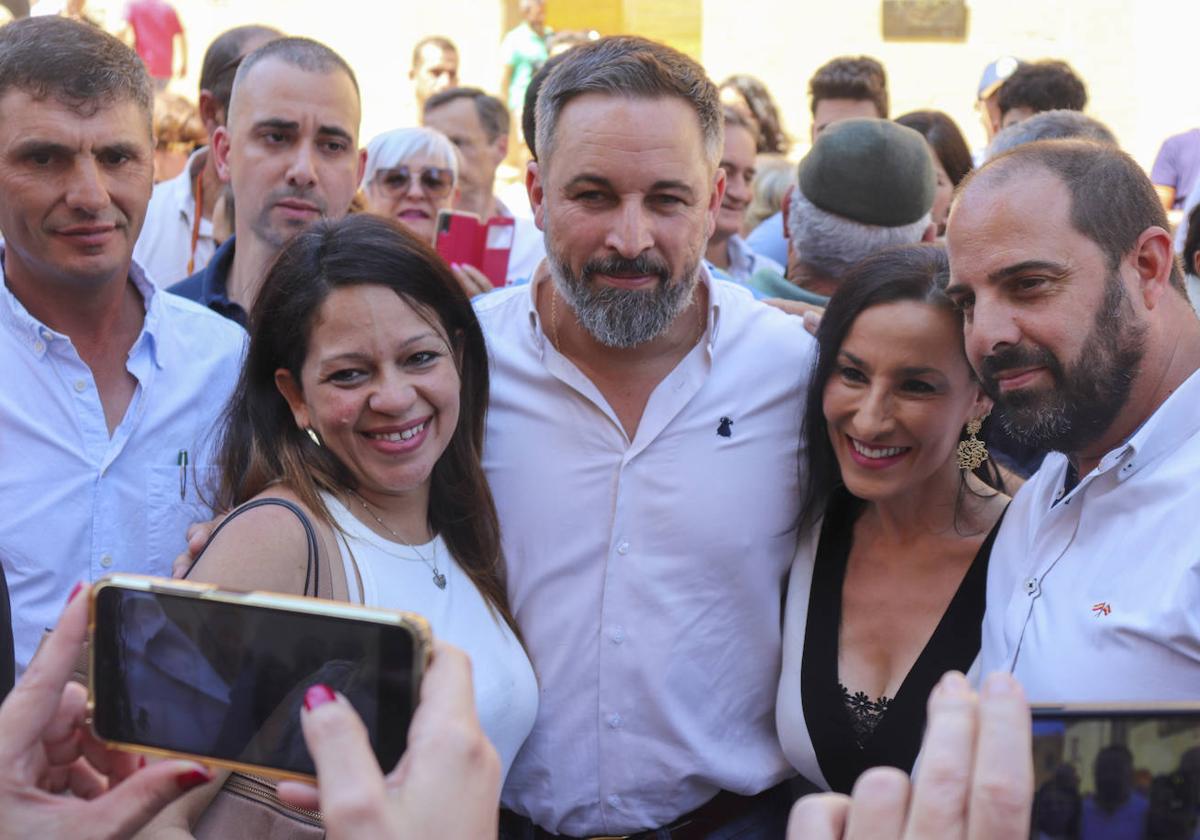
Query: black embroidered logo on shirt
x: 724, y: 429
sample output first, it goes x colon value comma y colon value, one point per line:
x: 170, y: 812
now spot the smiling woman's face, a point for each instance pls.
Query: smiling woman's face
x: 898, y: 398
x: 380, y: 386
x: 412, y: 192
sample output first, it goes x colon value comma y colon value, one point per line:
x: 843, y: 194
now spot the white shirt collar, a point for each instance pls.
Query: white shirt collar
x: 19, y: 319
x: 1175, y: 420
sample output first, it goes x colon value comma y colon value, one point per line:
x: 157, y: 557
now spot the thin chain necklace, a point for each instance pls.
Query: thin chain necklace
x: 701, y: 321
x: 439, y: 579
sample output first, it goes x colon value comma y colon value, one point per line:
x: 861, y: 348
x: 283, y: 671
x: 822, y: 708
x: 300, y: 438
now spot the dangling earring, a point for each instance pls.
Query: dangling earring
x: 972, y: 452
x: 312, y: 434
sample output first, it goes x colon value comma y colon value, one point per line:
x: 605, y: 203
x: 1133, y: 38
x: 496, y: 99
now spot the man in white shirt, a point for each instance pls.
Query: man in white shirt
x: 112, y: 388
x: 177, y: 238
x: 1077, y: 321
x: 643, y: 449
x: 478, y: 125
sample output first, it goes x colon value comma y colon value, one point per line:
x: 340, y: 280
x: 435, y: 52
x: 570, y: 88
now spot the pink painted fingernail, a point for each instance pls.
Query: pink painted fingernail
x: 192, y: 778
x: 74, y: 592
x: 318, y: 695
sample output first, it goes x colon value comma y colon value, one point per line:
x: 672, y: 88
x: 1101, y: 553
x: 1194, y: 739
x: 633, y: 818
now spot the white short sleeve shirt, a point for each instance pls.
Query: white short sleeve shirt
x: 647, y: 574
x: 1094, y: 595
x: 75, y: 503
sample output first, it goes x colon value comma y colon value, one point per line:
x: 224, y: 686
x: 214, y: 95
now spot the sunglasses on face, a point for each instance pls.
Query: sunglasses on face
x: 435, y: 181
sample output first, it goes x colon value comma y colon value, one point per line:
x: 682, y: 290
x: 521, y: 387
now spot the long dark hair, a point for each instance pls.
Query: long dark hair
x: 261, y: 444
x: 916, y: 273
x: 942, y: 134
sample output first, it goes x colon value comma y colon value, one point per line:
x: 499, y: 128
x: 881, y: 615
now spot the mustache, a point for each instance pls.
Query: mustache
x: 620, y: 266
x: 292, y: 192
x: 1016, y: 357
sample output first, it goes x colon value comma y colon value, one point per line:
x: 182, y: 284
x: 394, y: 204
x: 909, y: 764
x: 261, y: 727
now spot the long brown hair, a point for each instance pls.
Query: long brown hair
x: 261, y: 444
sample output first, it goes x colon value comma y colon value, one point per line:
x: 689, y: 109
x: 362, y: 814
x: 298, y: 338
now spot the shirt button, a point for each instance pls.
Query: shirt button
x: 1058, y: 494
x: 615, y: 721
x: 623, y: 548
x: 106, y: 560
x: 1031, y: 586
x: 46, y: 334
x: 38, y: 347
x: 617, y: 635
x: 614, y: 800
x: 80, y: 385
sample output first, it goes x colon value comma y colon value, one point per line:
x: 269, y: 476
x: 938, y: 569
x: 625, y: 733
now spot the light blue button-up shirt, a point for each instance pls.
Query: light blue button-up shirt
x: 75, y: 503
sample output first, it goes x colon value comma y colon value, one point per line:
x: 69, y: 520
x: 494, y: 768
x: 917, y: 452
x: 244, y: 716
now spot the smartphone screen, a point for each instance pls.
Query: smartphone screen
x: 1102, y: 775
x: 227, y: 680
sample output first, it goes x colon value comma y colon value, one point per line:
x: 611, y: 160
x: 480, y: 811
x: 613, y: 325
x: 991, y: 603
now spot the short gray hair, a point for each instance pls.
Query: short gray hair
x: 831, y: 243
x: 393, y: 148
x: 1059, y: 124
x: 628, y: 66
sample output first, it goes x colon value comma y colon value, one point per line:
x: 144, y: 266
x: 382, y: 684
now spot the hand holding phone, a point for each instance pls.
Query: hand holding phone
x: 180, y: 668
x: 973, y: 780
x: 46, y: 747
x: 463, y: 238
x: 446, y: 785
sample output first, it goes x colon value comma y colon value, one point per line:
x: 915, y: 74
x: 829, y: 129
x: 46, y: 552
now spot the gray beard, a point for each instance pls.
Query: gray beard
x: 624, y: 318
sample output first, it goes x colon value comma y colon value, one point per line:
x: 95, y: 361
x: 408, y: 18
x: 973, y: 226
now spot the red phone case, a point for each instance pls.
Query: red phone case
x: 462, y: 238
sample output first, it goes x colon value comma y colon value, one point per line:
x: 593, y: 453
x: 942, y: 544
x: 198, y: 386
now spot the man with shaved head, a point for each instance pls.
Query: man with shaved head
x: 290, y: 152
x: 1078, y: 325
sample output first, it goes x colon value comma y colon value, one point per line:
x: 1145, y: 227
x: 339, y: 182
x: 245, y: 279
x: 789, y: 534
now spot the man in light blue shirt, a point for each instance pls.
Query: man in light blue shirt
x: 113, y: 388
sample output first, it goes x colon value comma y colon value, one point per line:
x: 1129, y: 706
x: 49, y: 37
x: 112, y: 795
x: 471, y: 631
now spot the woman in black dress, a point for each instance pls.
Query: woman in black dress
x: 887, y: 590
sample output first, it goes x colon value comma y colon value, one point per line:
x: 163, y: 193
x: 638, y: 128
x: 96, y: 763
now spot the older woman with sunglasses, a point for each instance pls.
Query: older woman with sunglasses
x: 411, y: 175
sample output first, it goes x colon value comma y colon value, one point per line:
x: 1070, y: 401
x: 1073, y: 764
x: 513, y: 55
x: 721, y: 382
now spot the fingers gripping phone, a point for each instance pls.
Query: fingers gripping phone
x: 462, y: 238
x: 1116, y: 771
x: 186, y: 669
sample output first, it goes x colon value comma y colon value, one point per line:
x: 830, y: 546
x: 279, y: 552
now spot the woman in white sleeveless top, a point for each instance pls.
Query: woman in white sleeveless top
x: 362, y: 402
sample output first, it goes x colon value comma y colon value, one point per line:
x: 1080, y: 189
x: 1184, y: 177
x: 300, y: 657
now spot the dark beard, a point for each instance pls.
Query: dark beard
x: 1085, y: 400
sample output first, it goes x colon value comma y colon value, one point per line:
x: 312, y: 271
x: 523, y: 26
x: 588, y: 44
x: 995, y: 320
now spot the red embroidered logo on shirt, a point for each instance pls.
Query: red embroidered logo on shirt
x: 1103, y: 608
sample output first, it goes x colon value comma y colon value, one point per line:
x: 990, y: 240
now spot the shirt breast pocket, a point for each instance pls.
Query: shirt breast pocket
x: 174, y: 503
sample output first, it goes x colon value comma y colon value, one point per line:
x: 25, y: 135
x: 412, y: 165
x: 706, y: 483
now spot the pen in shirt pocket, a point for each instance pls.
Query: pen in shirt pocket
x: 182, y: 460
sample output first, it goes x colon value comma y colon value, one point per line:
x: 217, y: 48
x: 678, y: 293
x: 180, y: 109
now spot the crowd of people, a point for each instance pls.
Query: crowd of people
x: 710, y: 516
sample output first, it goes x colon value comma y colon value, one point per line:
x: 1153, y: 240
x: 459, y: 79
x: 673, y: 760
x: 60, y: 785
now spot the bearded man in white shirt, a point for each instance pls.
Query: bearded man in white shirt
x: 1077, y: 321
x: 643, y: 449
x: 112, y: 387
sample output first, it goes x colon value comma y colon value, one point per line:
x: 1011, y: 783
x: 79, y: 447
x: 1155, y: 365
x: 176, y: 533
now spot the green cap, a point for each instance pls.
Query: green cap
x: 875, y: 172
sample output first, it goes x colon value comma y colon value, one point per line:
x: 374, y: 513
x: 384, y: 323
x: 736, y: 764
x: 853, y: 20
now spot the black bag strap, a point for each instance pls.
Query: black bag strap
x: 313, y: 569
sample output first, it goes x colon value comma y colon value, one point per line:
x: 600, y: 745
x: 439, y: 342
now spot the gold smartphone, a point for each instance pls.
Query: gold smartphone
x: 1109, y: 770
x: 191, y: 670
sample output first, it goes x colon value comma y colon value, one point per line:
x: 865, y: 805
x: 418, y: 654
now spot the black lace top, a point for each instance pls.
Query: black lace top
x: 850, y: 731
x: 864, y: 712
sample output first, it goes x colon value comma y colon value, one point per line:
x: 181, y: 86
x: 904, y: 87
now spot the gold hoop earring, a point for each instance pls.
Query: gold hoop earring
x: 312, y: 434
x: 972, y: 451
